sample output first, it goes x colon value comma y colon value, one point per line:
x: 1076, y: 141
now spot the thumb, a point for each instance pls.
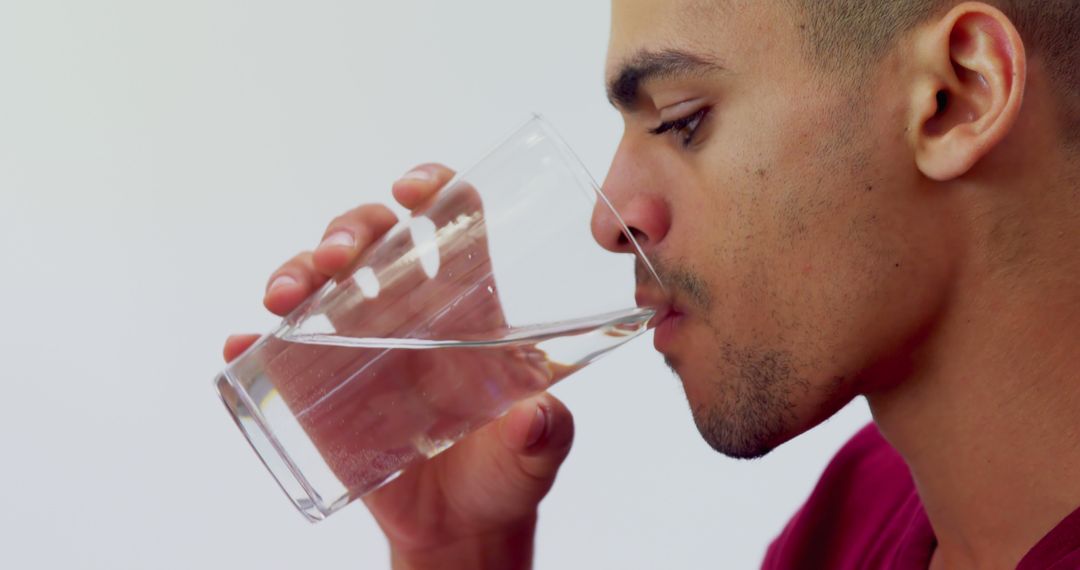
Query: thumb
x: 539, y: 431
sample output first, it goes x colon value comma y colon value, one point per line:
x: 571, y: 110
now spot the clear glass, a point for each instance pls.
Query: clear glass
x: 492, y: 292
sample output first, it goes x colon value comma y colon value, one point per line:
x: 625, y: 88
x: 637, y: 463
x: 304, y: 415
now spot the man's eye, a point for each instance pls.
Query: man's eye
x: 684, y: 128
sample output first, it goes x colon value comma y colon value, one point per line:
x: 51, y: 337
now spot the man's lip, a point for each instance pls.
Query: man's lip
x: 662, y: 313
x: 664, y: 335
x: 664, y: 308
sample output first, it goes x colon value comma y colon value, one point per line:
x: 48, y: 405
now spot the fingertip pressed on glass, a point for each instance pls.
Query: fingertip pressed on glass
x: 488, y: 294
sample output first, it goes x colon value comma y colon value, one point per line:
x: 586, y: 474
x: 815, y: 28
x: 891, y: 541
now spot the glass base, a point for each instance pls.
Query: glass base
x: 272, y: 454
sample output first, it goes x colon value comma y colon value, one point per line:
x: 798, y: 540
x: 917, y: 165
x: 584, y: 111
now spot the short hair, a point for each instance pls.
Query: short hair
x: 840, y: 33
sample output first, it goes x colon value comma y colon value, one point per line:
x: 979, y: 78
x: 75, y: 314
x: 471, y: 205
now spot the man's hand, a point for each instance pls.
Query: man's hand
x: 475, y: 505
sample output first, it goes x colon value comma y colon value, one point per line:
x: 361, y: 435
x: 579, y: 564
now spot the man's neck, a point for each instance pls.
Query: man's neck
x: 989, y: 418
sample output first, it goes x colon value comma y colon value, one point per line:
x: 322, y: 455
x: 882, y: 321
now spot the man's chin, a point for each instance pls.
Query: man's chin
x: 740, y: 438
x: 746, y: 453
x: 744, y: 449
x: 673, y: 364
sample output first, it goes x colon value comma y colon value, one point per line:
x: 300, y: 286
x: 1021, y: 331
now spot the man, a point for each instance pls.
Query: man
x: 846, y: 198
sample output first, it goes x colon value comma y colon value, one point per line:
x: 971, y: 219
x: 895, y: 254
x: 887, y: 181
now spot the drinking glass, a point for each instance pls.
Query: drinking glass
x: 491, y: 292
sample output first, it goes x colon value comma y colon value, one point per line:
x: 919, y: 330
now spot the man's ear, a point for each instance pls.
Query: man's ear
x: 972, y: 73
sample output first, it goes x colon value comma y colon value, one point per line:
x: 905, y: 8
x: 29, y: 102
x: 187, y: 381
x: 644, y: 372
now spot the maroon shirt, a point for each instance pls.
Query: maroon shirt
x: 865, y: 513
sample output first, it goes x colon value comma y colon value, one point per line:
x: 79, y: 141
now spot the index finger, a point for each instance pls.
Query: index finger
x: 416, y: 186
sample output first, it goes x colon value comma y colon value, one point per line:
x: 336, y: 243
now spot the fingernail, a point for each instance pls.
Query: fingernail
x: 281, y: 281
x: 418, y: 174
x: 537, y: 428
x: 338, y: 239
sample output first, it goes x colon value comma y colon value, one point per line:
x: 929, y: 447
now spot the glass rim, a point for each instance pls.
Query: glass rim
x: 579, y: 171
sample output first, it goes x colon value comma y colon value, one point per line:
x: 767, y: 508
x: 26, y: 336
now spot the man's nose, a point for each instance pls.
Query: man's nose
x: 633, y: 195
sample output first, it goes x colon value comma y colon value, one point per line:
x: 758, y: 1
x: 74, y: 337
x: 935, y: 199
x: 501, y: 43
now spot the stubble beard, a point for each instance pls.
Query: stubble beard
x: 749, y: 399
x: 752, y: 401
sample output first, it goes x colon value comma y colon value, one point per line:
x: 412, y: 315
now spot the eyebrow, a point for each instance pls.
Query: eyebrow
x: 624, y: 88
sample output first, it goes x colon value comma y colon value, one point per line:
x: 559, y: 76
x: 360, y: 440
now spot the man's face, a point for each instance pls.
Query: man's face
x: 800, y: 250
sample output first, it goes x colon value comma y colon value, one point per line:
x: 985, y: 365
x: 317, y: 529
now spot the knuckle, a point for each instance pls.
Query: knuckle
x: 372, y: 212
x: 377, y: 218
x: 436, y: 168
x: 298, y: 262
x: 343, y: 221
x: 363, y: 215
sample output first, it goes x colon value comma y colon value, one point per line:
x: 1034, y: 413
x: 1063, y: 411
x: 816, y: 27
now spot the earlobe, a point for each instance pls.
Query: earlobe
x: 970, y: 90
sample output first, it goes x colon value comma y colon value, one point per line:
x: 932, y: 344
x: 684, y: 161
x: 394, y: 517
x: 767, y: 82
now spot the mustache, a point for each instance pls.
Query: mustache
x: 683, y: 281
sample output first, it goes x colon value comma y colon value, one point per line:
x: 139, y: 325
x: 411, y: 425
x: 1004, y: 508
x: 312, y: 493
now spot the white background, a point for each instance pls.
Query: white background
x: 159, y: 158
